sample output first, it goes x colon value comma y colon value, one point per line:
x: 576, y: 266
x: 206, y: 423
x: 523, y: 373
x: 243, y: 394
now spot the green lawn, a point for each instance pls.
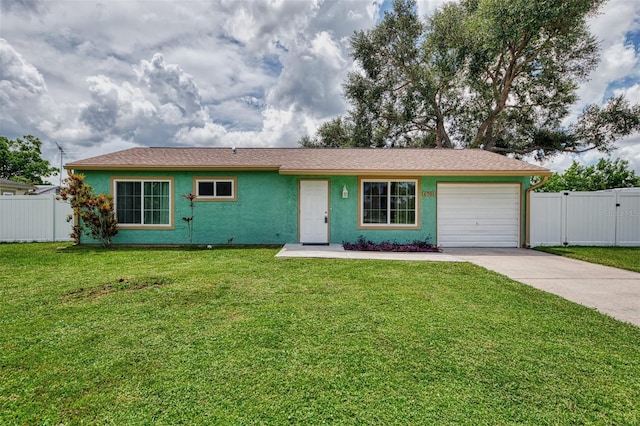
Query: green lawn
x: 236, y: 336
x: 618, y: 257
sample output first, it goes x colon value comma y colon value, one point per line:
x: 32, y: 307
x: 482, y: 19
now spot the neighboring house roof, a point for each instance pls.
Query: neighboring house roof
x: 16, y: 185
x: 315, y: 161
x: 45, y: 189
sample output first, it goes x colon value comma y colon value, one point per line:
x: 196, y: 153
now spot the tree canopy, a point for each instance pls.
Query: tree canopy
x: 21, y: 160
x: 500, y: 75
x: 605, y: 174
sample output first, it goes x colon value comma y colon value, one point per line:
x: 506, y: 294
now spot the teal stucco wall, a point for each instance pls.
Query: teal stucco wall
x: 266, y: 209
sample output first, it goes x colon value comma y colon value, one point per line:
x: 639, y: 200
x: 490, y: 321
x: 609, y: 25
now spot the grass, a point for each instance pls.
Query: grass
x: 236, y: 336
x: 618, y: 257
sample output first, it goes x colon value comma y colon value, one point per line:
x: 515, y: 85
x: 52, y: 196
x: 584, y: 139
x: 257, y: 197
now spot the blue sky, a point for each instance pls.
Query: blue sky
x: 100, y: 76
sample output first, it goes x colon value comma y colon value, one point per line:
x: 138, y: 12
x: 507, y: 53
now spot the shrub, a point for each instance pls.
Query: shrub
x: 362, y: 244
x: 94, y: 212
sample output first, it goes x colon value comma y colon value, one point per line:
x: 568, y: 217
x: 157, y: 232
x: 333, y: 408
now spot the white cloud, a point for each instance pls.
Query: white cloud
x: 25, y: 104
x: 632, y: 92
x: 170, y: 84
x: 18, y: 78
x: 327, y: 50
x: 618, y: 58
x: 207, y: 135
x: 119, y: 107
x: 427, y: 7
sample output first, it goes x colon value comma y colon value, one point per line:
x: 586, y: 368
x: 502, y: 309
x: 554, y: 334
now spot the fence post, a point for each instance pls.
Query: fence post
x: 53, y: 227
x: 564, y: 225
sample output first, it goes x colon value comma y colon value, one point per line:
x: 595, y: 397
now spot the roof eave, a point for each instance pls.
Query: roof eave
x: 368, y: 172
x: 308, y: 172
x: 147, y: 168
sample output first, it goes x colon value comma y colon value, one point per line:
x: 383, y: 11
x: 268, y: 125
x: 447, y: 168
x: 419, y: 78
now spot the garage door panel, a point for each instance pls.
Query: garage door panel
x: 478, y: 215
x: 486, y: 215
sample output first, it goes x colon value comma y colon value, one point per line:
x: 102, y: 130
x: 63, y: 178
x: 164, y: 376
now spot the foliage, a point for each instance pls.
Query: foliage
x: 236, y: 336
x: 362, y: 244
x: 21, y: 161
x: 617, y: 257
x: 605, y: 174
x: 335, y: 133
x: 94, y: 212
x: 494, y: 74
x: 189, y: 220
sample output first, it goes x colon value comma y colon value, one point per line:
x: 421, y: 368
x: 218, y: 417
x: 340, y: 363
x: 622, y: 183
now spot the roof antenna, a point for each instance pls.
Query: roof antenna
x: 234, y: 150
x: 61, y: 154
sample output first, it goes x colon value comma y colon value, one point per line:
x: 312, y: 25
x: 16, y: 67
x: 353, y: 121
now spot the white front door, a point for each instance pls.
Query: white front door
x: 313, y: 209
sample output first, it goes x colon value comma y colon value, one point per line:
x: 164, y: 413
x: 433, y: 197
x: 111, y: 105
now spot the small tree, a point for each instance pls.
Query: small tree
x: 605, y: 174
x: 94, y: 212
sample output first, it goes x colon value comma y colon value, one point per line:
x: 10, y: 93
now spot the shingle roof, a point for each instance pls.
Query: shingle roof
x: 13, y: 184
x: 314, y: 161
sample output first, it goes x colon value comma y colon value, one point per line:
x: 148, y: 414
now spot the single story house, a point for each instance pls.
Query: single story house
x: 9, y: 187
x: 453, y: 198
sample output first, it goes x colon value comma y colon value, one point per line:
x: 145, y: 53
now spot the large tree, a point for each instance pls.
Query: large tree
x: 495, y: 74
x: 21, y: 160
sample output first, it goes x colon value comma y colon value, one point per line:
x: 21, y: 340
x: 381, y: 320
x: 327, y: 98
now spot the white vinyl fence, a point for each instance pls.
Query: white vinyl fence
x: 599, y: 218
x: 34, y: 218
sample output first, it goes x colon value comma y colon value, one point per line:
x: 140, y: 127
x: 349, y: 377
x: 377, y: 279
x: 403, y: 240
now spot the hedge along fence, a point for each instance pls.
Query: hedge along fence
x: 25, y: 218
x: 598, y: 218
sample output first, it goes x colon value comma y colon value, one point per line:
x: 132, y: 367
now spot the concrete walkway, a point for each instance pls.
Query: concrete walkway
x: 615, y: 292
x: 335, y: 251
x: 612, y: 291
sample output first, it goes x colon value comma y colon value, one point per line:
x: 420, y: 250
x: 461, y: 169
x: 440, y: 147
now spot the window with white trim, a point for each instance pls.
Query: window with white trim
x: 223, y: 189
x: 388, y: 202
x: 143, y: 202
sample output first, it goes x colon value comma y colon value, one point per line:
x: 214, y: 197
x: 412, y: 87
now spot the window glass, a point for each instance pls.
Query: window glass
x: 143, y: 202
x: 389, y: 202
x: 156, y: 203
x: 224, y: 189
x: 375, y: 202
x: 403, y: 203
x: 128, y: 202
x: 205, y: 189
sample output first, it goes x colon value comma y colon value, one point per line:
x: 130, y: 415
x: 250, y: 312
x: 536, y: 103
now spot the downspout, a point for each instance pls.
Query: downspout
x: 528, y: 219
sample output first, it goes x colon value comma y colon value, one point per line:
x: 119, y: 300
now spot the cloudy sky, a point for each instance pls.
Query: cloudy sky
x: 100, y: 76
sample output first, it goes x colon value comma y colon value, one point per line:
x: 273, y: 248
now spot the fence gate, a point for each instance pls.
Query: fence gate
x: 599, y: 218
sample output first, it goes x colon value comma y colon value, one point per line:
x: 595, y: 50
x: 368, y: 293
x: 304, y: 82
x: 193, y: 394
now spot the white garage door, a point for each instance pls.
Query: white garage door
x: 478, y: 215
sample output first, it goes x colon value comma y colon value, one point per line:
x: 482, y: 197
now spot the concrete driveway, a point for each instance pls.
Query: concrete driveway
x: 612, y: 291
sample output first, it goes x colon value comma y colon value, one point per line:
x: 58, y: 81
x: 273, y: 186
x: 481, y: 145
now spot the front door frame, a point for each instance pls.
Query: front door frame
x: 327, y: 210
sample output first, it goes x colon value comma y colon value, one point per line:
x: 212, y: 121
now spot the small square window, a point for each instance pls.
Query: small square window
x: 215, y: 189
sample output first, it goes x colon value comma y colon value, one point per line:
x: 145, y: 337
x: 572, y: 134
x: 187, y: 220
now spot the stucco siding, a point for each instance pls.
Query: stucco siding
x: 266, y: 209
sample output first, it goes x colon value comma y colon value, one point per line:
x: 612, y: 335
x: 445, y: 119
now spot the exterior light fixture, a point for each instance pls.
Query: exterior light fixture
x: 345, y: 193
